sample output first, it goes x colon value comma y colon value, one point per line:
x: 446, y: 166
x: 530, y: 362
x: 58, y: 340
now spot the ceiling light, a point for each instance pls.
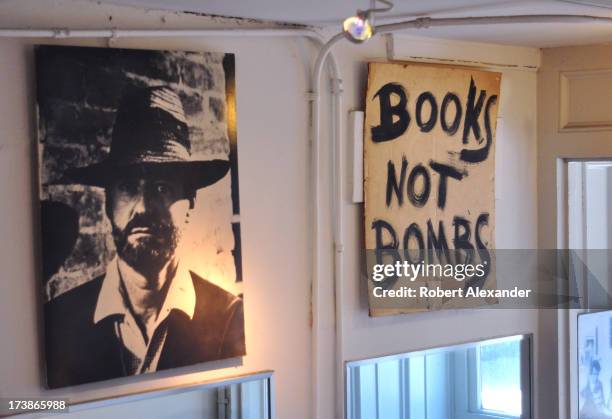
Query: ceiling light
x: 360, y: 28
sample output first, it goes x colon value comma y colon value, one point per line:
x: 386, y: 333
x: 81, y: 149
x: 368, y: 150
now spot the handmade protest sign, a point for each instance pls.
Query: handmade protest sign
x: 429, y: 182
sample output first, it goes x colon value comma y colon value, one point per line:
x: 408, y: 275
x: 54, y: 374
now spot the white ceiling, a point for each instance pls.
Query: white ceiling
x: 332, y: 12
x: 308, y: 11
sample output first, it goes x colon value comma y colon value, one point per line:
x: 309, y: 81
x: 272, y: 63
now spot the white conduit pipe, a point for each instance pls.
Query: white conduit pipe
x: 426, y: 22
x: 339, y: 248
x: 146, y: 33
x: 315, y: 96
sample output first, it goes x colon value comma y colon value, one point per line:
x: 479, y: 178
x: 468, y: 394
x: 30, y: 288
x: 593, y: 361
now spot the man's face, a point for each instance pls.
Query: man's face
x: 147, y: 215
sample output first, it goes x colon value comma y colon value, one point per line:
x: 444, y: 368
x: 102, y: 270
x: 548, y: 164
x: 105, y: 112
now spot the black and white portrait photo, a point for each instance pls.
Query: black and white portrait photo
x: 139, y: 211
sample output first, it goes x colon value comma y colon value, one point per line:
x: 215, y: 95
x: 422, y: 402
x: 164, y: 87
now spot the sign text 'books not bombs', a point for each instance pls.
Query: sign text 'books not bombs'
x: 429, y: 166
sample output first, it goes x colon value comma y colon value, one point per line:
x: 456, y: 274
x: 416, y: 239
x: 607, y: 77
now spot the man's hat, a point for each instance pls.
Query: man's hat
x: 150, y: 135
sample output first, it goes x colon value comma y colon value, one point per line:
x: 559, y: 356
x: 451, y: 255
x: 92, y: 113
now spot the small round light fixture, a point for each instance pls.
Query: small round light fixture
x: 358, y: 28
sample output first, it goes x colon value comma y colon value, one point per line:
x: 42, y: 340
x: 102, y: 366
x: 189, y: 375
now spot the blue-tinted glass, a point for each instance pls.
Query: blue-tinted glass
x: 367, y: 391
x: 500, y: 377
x: 389, y: 390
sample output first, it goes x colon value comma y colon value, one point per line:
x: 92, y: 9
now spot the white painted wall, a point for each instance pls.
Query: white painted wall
x: 274, y: 184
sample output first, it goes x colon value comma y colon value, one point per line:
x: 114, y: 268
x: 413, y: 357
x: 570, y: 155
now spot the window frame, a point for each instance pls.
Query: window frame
x: 457, y: 401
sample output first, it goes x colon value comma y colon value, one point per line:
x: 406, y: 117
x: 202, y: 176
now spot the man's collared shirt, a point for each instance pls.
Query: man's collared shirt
x: 141, y: 356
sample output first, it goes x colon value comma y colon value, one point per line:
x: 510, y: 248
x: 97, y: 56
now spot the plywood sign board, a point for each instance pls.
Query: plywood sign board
x: 429, y: 179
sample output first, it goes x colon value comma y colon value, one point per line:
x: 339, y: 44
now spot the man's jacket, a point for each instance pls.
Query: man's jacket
x: 79, y: 351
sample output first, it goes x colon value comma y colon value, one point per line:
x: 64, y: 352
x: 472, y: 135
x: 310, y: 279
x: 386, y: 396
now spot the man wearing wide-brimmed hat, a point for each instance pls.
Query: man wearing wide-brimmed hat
x: 148, y: 312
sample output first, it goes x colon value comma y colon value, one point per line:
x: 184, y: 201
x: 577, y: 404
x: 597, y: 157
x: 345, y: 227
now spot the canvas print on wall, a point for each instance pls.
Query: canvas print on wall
x: 139, y: 211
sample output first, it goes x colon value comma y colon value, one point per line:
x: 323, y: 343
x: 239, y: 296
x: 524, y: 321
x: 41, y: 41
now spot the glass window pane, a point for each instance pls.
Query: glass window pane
x: 500, y: 377
x: 389, y: 390
x: 416, y: 387
x: 473, y: 380
x: 367, y: 391
x: 437, y: 385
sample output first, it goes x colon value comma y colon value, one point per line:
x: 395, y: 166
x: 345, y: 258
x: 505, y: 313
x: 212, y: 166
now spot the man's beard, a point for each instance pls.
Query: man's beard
x: 150, y: 253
